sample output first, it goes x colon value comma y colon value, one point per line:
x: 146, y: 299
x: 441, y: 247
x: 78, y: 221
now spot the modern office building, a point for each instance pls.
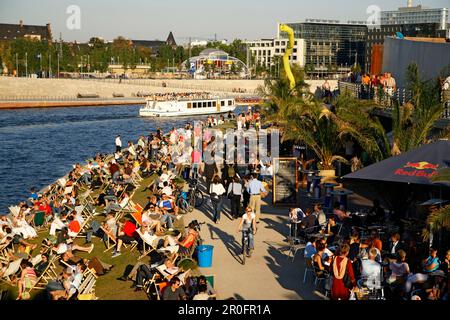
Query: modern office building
x: 415, y: 15
x: 264, y: 51
x: 332, y: 47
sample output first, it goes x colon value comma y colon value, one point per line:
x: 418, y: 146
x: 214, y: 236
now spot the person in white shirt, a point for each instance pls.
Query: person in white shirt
x: 371, y: 271
x: 202, y: 293
x: 235, y: 195
x: 167, y: 190
x: 118, y: 143
x: 217, y: 190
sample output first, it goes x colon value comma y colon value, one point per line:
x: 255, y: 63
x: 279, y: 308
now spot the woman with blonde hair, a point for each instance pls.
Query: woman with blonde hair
x: 343, y: 276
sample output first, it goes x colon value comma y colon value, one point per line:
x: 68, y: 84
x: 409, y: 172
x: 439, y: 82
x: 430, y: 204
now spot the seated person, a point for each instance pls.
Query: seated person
x: 331, y: 230
x: 321, y: 270
x: 99, y: 266
x: 194, y: 289
x: 167, y: 189
x: 27, y: 279
x: 371, y: 271
x: 394, y: 246
x: 310, y: 248
x: 373, y: 242
x: 127, y: 234
x: 309, y: 221
x: 202, y: 293
x: 399, y: 269
x: 340, y: 214
x: 186, y: 243
x: 429, y: 265
x: 174, y: 291
x: 167, y: 205
x: 355, y: 241
x: 58, y: 289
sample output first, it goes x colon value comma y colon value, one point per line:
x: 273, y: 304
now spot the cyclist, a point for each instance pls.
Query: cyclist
x: 248, y: 228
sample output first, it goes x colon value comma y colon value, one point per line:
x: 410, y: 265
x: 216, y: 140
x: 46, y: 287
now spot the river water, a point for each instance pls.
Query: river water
x: 38, y: 146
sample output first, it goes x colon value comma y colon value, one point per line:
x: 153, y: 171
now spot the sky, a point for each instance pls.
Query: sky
x: 198, y: 19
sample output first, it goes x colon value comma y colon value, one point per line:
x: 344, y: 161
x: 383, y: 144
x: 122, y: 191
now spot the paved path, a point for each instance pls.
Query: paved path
x: 268, y: 274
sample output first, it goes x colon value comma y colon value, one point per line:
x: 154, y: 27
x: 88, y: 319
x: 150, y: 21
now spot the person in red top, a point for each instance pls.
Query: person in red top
x: 74, y: 226
x: 127, y: 234
x: 340, y: 268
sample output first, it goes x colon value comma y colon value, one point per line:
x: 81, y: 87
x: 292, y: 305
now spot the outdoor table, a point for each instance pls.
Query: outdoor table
x: 316, y: 186
x: 329, y: 188
x: 342, y: 194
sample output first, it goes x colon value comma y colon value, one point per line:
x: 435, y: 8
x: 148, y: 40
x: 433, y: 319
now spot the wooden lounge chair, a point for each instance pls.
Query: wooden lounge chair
x: 147, y: 247
x: 111, y: 239
x: 48, y: 274
x: 11, y: 271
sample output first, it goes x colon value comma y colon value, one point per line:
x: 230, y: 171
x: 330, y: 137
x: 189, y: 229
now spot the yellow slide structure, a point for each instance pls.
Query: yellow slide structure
x: 289, y: 49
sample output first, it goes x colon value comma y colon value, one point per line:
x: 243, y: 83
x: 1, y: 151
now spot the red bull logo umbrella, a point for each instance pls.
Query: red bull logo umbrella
x: 415, y: 167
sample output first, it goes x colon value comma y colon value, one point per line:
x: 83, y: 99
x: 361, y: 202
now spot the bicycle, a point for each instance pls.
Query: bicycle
x: 195, y: 196
x: 246, y: 245
x: 181, y: 201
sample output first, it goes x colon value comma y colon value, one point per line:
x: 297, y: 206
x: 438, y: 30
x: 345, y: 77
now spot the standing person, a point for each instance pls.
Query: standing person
x: 256, y: 190
x: 248, y: 228
x: 342, y: 268
x: 235, y: 195
x: 246, y: 195
x: 217, y: 190
x: 118, y: 143
x: 209, y: 171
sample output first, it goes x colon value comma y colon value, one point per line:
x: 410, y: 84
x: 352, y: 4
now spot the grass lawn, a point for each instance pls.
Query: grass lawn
x: 107, y: 286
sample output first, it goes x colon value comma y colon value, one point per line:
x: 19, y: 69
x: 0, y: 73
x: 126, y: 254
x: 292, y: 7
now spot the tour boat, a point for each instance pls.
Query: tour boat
x: 187, y: 107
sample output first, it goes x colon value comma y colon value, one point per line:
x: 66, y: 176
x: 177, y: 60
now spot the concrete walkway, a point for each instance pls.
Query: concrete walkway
x: 268, y: 274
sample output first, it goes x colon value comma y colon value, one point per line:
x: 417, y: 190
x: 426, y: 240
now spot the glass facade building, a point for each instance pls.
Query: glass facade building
x: 332, y: 46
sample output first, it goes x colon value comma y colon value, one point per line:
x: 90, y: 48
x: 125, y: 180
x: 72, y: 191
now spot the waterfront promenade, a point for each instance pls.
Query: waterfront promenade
x: 34, y: 93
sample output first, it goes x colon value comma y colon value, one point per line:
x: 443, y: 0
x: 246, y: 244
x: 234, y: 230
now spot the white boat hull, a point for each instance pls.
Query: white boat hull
x: 165, y: 109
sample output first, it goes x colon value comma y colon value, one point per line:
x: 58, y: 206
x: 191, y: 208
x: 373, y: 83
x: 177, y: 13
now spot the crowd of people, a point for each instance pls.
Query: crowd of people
x: 364, y: 260
x: 171, y: 96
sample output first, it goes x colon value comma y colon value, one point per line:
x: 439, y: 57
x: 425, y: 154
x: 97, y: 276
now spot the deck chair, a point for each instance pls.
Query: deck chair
x: 128, y: 208
x: 11, y: 271
x: 86, y: 291
x: 111, y: 240
x: 137, y: 214
x: 187, y: 255
x: 152, y: 288
x: 4, y: 252
x: 47, y: 275
x: 15, y: 210
x: 147, y: 247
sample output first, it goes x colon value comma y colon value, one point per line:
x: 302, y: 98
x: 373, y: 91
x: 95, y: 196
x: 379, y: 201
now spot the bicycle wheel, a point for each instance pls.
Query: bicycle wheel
x: 199, y: 199
x: 182, y: 205
x: 244, y: 249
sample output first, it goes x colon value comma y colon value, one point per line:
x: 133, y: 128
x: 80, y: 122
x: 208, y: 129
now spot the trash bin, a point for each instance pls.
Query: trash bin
x: 205, y: 255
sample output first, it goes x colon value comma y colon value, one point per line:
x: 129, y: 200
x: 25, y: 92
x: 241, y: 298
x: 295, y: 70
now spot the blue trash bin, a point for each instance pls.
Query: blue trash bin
x: 205, y: 255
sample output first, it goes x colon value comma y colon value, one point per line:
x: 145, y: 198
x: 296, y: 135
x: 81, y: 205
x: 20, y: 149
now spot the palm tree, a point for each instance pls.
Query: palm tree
x: 316, y: 126
x: 439, y: 219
